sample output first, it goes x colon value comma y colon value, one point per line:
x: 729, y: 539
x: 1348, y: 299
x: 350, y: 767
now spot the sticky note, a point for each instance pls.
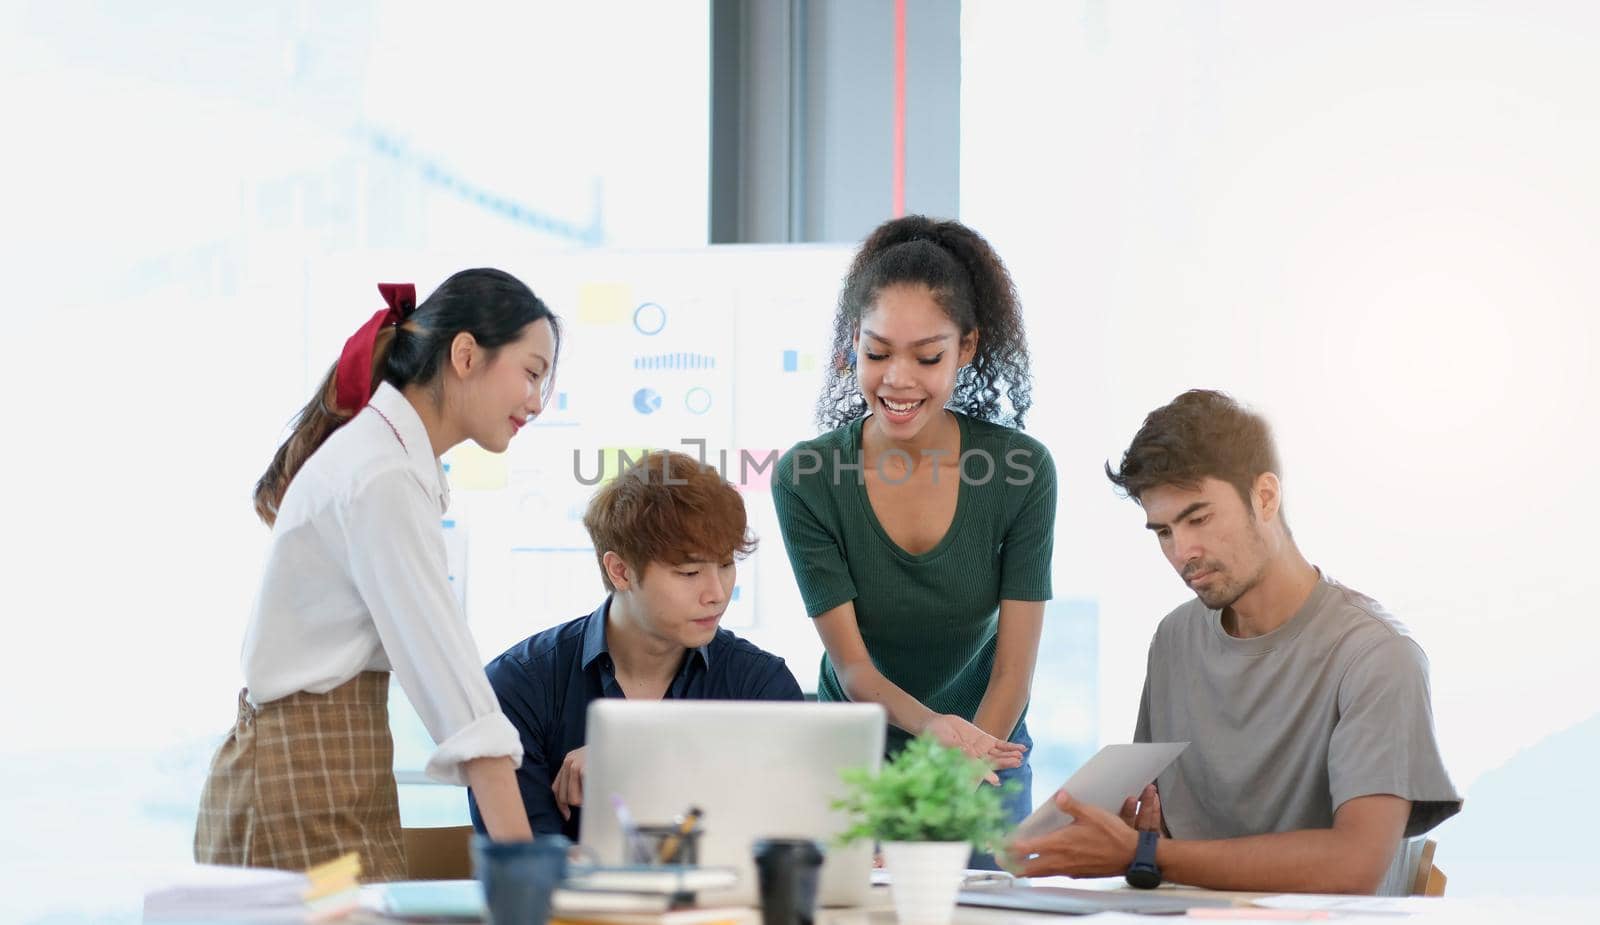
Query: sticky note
x: 473, y: 468
x: 604, y: 303
x: 598, y: 467
x: 751, y: 469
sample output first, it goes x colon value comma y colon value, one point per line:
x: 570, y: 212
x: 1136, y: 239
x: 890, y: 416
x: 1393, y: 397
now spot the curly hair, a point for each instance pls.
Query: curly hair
x: 973, y: 287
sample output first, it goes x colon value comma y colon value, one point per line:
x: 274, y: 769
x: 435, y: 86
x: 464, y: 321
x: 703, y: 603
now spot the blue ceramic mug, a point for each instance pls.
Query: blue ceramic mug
x: 518, y: 877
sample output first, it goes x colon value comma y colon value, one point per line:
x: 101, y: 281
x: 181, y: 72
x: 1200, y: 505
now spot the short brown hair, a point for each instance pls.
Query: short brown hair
x: 1200, y: 434
x: 667, y: 507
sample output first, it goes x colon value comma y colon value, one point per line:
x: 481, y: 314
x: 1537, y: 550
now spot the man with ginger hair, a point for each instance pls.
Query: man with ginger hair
x: 667, y: 532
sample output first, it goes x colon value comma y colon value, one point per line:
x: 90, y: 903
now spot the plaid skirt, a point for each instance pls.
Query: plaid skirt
x: 305, y: 779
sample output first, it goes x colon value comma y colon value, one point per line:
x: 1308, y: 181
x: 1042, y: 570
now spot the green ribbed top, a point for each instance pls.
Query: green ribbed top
x: 929, y: 620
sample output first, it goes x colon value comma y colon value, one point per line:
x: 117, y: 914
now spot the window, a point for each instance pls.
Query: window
x: 188, y: 192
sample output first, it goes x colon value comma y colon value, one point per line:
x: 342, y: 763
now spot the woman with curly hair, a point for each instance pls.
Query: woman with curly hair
x: 920, y: 524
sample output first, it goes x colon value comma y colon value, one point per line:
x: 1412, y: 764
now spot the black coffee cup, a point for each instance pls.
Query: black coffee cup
x: 787, y: 869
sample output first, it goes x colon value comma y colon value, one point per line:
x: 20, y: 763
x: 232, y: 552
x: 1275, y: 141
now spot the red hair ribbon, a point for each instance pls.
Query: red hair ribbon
x: 353, y: 380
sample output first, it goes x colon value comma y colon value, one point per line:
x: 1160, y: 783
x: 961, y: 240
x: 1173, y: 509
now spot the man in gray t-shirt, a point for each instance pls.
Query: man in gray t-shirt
x: 1285, y: 727
x: 1312, y: 750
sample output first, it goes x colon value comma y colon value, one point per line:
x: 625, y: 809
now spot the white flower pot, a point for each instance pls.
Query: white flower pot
x: 924, y: 878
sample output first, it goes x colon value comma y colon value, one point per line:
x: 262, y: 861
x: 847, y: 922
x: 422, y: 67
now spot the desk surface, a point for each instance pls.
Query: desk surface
x: 879, y: 910
x: 1521, y: 911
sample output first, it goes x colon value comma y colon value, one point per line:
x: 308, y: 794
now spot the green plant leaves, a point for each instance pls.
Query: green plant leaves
x: 928, y: 792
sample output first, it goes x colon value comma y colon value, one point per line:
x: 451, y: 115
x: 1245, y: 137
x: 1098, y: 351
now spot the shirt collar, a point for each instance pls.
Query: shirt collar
x: 397, y: 410
x: 705, y: 655
x: 594, y: 639
x: 594, y: 634
x: 1284, y: 634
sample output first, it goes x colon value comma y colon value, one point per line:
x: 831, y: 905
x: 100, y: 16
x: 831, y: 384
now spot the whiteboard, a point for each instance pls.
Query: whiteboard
x: 723, y: 344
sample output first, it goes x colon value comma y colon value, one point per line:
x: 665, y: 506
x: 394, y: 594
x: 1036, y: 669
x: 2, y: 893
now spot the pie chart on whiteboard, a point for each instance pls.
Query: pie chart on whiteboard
x: 646, y: 401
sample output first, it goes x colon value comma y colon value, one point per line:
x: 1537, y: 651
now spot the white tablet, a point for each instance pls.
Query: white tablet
x: 1115, y: 773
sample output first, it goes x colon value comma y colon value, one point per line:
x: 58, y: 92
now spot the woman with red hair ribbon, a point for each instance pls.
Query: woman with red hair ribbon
x: 356, y: 587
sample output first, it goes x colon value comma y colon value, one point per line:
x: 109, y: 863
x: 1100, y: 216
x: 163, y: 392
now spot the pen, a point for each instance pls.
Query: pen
x: 674, y: 842
x: 630, y: 832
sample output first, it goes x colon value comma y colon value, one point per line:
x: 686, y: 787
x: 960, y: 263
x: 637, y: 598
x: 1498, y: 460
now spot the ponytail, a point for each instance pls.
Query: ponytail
x: 312, y: 426
x: 491, y: 305
x: 971, y: 284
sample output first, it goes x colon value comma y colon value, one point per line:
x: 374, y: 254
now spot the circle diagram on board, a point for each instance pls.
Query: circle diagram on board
x: 649, y: 318
x: 647, y: 401
x: 697, y: 400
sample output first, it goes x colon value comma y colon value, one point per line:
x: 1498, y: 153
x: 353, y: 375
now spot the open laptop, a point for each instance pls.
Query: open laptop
x: 757, y: 770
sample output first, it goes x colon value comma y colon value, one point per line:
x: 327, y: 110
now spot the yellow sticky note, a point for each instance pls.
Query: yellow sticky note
x: 600, y: 466
x: 473, y: 468
x: 619, y: 458
x: 604, y: 303
x: 336, y: 876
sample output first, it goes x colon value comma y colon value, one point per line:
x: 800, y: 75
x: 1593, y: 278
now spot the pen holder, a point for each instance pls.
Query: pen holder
x: 663, y: 844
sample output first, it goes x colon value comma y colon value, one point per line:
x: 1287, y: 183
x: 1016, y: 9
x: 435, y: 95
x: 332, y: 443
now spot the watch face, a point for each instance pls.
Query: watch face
x: 1145, y: 878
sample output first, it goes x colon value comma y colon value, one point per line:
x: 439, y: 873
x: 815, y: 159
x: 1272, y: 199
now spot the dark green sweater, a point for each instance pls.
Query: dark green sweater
x: 929, y: 621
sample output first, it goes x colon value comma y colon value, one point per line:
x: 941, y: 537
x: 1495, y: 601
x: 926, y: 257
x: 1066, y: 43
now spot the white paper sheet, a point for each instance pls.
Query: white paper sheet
x: 1115, y: 773
x: 212, y: 889
x: 1352, y: 904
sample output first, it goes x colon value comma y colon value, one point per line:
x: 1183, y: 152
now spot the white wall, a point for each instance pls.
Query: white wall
x: 1376, y: 223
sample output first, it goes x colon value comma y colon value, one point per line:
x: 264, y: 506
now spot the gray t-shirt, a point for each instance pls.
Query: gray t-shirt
x: 1284, y: 728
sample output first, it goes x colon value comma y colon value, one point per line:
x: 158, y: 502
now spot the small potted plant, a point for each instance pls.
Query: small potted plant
x: 929, y: 809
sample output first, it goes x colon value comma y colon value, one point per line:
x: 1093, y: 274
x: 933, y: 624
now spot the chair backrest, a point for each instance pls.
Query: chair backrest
x: 1412, y: 872
x: 440, y: 853
x: 1427, y: 879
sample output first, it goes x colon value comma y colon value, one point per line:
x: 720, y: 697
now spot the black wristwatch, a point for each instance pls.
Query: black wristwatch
x: 1143, y: 872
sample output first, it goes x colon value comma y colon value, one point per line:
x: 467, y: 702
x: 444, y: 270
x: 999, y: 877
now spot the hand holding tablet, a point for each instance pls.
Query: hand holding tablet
x: 1114, y: 774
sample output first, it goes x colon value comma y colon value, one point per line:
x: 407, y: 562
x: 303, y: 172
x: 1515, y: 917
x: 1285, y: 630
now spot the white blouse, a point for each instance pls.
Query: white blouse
x: 356, y: 580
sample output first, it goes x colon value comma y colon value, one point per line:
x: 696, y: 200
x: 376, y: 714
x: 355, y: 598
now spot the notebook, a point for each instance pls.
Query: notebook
x: 733, y: 915
x: 1068, y: 901
x: 666, y: 878
x: 433, y: 901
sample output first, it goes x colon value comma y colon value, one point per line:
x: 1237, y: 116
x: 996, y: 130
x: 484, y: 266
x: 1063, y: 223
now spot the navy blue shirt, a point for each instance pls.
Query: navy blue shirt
x: 545, y: 684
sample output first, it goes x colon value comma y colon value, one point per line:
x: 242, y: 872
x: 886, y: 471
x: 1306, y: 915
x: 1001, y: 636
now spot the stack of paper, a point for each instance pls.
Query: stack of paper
x: 565, y: 901
x: 210, y: 890
x: 204, y: 891
x: 462, y: 901
x: 693, y: 916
